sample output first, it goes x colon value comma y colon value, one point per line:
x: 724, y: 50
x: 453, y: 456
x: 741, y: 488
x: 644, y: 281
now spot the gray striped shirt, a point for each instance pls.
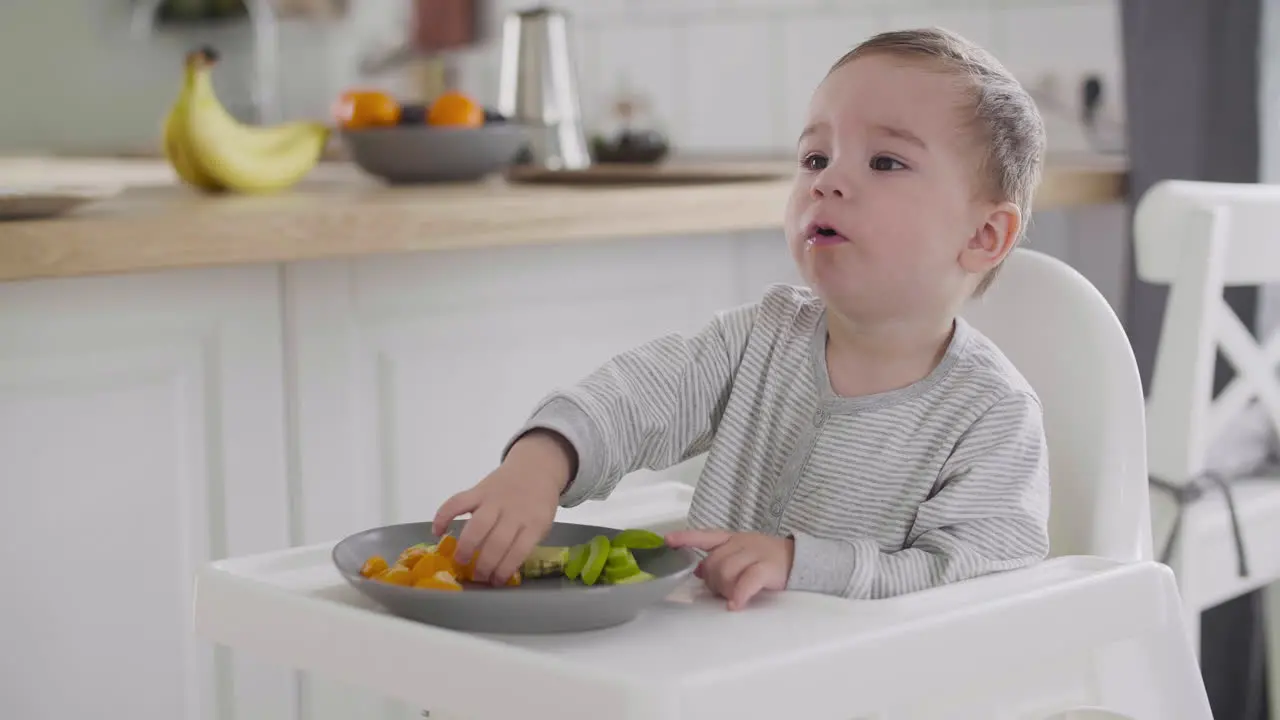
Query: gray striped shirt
x: 884, y: 494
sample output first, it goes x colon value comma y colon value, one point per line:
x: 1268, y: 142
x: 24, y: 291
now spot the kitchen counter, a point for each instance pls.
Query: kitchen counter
x: 156, y: 224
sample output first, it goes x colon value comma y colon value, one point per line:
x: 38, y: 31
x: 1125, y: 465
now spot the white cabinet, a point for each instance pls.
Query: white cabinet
x: 141, y: 434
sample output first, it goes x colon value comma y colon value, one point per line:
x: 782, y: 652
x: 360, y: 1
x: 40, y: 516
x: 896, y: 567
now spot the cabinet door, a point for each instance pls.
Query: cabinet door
x: 412, y: 371
x: 141, y: 434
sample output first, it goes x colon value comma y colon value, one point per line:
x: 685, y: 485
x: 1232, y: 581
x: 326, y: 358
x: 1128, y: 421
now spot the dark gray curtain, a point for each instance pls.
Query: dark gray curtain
x: 1191, y: 79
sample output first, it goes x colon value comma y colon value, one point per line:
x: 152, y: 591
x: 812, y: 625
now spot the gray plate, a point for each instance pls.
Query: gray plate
x: 425, y: 154
x: 544, y: 605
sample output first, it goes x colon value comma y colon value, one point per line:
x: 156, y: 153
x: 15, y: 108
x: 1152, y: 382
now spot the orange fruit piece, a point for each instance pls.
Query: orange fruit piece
x: 439, y: 581
x: 410, y: 557
x: 468, y: 572
x: 431, y: 564
x: 373, y: 566
x: 447, y: 546
x: 454, y: 109
x: 356, y: 109
x: 396, y: 575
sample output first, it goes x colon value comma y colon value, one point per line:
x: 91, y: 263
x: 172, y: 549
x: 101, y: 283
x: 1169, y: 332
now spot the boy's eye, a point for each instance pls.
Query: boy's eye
x: 813, y: 161
x: 884, y: 163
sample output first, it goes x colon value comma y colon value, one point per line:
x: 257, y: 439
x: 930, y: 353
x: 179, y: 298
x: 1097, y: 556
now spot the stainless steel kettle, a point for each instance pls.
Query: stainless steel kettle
x: 538, y: 88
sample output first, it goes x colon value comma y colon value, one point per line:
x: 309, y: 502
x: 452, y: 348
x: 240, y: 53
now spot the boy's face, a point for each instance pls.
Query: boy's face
x: 889, y: 165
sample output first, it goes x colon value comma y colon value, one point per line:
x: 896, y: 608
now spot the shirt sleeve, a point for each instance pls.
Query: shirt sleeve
x: 651, y: 407
x: 989, y: 513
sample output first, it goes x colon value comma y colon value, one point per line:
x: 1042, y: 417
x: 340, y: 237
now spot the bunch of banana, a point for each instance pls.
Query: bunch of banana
x: 212, y: 151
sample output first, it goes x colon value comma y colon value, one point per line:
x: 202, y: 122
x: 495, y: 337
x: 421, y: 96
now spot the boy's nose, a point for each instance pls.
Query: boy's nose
x: 827, y: 184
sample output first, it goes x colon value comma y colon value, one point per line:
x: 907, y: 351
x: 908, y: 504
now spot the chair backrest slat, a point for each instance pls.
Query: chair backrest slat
x: 1065, y: 338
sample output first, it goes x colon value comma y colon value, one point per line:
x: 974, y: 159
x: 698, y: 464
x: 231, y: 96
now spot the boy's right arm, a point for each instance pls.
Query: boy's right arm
x: 651, y: 407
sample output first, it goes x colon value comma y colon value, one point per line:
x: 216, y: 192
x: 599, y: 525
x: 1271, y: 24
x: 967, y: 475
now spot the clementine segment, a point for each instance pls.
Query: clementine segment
x: 434, y: 569
x: 396, y: 575
x: 373, y: 566
x: 439, y: 581
x: 411, y: 556
x: 448, y: 546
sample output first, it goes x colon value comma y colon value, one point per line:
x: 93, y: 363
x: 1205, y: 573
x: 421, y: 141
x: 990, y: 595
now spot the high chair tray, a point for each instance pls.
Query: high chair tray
x: 787, y: 655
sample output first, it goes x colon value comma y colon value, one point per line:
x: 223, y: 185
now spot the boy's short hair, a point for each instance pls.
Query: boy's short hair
x: 1003, y: 111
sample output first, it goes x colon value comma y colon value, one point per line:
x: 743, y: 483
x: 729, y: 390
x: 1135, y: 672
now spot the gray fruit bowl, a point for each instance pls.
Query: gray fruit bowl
x: 410, y: 154
x: 542, y: 605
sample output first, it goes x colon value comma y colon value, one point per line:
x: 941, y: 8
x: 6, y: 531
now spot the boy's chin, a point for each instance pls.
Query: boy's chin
x: 832, y: 290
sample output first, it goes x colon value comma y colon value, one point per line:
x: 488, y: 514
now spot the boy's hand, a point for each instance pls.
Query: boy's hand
x: 739, y: 565
x: 512, y: 508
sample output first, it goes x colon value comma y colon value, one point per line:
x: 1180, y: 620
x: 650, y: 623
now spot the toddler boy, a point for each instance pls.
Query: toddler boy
x: 863, y: 440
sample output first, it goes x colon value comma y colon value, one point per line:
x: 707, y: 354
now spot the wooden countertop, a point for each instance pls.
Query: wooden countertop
x: 339, y: 212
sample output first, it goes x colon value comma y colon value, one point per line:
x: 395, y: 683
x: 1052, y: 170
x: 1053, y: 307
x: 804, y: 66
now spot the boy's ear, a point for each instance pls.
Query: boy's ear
x: 993, y: 239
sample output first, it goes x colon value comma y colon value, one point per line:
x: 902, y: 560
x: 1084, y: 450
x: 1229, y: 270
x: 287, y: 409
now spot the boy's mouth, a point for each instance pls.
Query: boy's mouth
x: 820, y: 235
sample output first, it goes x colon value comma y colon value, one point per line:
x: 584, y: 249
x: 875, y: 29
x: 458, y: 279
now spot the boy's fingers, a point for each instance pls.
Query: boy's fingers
x: 496, y: 545
x: 474, y: 533
x: 716, y: 559
x: 515, y: 557
x: 733, y: 566
x: 464, y: 502
x: 749, y: 584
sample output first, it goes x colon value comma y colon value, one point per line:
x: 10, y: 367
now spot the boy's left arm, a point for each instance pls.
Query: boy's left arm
x: 989, y: 513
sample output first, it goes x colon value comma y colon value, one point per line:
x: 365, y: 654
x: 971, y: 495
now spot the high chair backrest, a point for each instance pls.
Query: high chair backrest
x: 1067, y: 341
x: 1199, y: 237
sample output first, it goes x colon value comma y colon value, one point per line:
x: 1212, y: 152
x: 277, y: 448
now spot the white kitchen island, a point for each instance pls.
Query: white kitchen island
x: 189, y: 378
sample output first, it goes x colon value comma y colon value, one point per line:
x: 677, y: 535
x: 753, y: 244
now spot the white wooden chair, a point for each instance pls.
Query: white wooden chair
x: 1093, y: 633
x: 1200, y: 237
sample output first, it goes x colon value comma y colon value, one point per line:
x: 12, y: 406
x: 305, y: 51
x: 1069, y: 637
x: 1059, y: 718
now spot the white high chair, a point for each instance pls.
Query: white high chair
x: 1095, y: 632
x: 1199, y: 237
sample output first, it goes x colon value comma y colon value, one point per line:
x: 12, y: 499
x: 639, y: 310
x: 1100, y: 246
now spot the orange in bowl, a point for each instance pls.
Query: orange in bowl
x: 454, y: 109
x: 357, y: 109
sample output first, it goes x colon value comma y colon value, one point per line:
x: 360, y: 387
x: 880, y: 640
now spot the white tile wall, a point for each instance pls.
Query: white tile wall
x: 75, y: 78
x: 732, y: 82
x: 645, y: 59
x: 731, y: 75
x: 724, y: 75
x: 810, y: 44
